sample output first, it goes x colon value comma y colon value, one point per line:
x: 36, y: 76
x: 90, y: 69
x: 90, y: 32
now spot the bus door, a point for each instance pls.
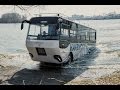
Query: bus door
x: 64, y: 36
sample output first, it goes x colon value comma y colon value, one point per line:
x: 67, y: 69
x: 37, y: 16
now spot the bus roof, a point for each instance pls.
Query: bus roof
x: 54, y: 20
x: 50, y: 20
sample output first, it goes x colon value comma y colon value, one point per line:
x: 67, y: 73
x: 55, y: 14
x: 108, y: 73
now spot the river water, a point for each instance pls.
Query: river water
x: 12, y: 41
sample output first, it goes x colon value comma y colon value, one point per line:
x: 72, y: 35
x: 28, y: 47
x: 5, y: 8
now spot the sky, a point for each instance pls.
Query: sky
x: 87, y: 10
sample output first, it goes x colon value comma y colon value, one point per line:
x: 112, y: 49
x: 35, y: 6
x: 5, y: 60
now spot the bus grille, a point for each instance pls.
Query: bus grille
x: 41, y: 51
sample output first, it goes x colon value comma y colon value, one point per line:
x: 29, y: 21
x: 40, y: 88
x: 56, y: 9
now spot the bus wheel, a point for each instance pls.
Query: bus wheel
x: 70, y: 58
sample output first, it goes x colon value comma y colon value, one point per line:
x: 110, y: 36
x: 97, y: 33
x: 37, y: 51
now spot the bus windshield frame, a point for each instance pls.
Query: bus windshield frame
x: 43, y: 31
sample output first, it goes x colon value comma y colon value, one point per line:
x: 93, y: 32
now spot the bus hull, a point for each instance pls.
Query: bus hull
x: 51, y: 48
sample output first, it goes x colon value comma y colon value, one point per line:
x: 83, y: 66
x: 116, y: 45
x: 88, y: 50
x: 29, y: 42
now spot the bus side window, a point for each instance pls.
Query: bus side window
x: 87, y: 36
x: 71, y: 33
x: 74, y: 33
x: 62, y: 31
x: 92, y: 36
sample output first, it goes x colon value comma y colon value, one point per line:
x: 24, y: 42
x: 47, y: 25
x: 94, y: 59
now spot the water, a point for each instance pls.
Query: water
x: 12, y: 39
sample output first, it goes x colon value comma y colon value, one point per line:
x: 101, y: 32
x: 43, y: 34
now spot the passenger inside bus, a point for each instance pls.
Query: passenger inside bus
x: 44, y: 33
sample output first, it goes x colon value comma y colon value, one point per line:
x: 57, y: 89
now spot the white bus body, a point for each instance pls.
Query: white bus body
x: 55, y: 50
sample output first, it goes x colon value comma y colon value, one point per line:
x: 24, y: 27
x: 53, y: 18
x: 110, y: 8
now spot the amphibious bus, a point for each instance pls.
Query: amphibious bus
x: 55, y: 39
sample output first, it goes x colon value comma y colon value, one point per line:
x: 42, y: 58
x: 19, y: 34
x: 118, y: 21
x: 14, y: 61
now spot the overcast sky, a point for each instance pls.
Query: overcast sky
x: 69, y: 10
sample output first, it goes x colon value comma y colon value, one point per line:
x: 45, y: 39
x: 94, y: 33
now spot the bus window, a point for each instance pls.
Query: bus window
x: 74, y: 33
x: 52, y: 29
x: 87, y: 36
x: 64, y: 30
x: 64, y: 36
x: 83, y: 36
x: 43, y: 32
x: 33, y: 31
x: 71, y: 33
x: 92, y: 36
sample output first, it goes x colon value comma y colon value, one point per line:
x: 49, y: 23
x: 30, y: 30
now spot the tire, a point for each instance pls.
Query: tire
x: 70, y: 58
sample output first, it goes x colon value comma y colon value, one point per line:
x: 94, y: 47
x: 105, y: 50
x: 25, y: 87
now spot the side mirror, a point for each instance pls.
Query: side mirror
x: 22, y: 26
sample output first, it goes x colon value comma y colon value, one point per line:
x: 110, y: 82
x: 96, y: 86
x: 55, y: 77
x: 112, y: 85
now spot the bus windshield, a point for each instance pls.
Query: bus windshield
x: 43, y: 32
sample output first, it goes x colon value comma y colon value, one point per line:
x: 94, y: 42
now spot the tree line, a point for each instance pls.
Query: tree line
x: 12, y: 18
